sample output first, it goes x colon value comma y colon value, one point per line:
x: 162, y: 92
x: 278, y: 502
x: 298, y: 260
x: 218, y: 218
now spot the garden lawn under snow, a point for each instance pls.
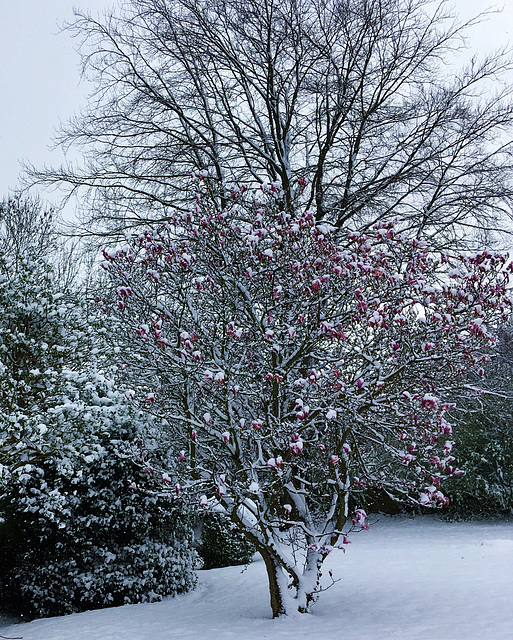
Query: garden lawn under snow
x: 413, y: 579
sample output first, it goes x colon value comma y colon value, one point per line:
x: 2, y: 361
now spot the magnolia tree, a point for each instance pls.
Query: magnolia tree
x: 293, y: 369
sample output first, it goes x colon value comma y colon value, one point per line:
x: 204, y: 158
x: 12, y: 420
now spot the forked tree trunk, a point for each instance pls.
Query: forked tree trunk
x: 282, y: 600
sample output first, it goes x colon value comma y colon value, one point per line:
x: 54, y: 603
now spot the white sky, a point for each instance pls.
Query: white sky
x: 40, y: 83
x: 40, y: 79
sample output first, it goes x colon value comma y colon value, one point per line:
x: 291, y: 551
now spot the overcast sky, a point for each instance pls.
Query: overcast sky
x: 40, y: 77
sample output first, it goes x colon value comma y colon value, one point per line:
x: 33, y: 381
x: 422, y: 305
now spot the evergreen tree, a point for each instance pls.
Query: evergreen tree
x: 43, y: 336
x: 84, y: 523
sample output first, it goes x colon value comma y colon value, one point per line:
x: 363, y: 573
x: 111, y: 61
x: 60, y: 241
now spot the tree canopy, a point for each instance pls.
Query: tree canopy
x: 292, y: 370
x: 357, y: 104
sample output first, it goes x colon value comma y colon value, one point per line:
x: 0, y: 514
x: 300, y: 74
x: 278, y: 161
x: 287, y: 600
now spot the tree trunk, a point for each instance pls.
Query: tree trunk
x: 277, y: 584
x: 307, y: 592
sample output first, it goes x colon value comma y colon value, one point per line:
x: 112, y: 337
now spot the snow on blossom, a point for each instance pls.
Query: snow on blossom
x: 291, y: 331
x: 275, y: 463
x: 429, y: 401
x: 220, y: 377
x: 326, y: 228
x: 296, y: 445
x: 359, y: 518
x: 448, y: 445
x: 154, y: 275
x: 254, y: 487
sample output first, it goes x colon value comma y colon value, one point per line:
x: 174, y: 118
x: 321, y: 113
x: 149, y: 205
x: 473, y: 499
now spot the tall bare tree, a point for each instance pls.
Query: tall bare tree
x: 355, y: 102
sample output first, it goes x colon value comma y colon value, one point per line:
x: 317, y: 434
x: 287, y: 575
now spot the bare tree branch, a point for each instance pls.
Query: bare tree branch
x: 356, y: 101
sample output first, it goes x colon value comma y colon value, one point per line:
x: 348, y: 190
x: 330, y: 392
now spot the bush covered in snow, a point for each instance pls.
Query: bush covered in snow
x: 91, y: 535
x: 44, y: 341
x: 222, y: 543
x: 484, y: 439
x: 83, y: 524
x: 89, y: 525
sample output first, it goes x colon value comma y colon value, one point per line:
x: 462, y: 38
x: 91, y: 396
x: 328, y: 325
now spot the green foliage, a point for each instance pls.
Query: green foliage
x: 91, y: 535
x: 222, y: 543
x: 485, y: 453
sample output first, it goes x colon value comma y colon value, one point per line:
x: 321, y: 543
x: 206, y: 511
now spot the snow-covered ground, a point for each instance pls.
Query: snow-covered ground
x: 413, y: 579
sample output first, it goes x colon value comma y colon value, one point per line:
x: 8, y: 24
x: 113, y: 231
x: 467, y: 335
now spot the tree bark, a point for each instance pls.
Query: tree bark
x: 277, y: 584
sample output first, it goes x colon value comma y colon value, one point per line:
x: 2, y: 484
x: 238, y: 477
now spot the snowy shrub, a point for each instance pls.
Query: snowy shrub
x: 484, y: 439
x: 43, y: 336
x: 91, y: 536
x: 222, y: 543
x: 83, y: 524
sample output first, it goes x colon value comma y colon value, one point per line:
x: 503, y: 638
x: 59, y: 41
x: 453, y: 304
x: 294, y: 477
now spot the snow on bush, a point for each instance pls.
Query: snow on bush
x: 82, y: 522
x: 83, y: 538
x: 41, y: 336
x: 485, y: 452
